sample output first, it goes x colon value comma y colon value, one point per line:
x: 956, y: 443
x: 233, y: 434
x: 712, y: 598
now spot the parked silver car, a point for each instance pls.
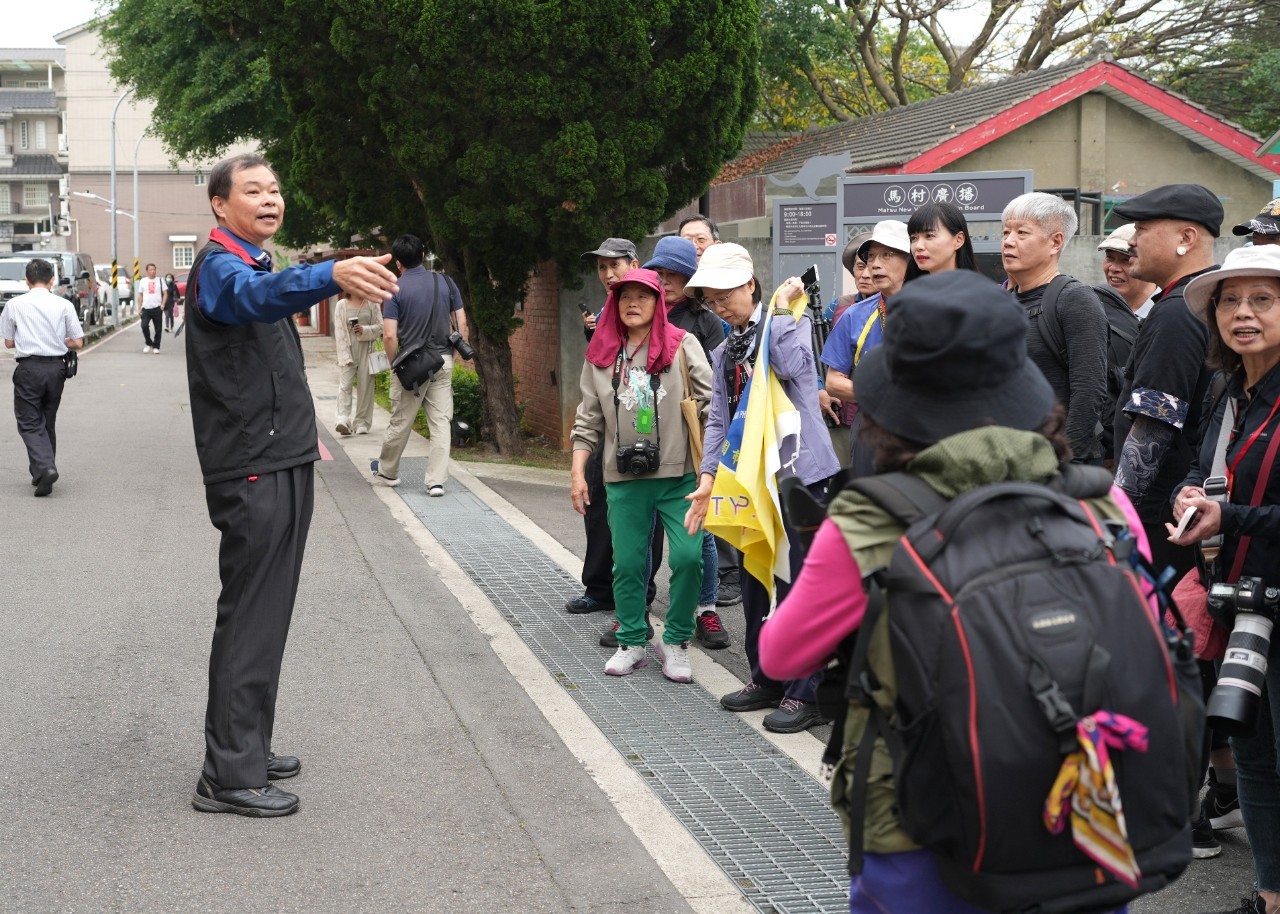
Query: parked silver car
x: 74, y: 280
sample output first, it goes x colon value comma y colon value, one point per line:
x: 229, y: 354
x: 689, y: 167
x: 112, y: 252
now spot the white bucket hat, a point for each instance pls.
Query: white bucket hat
x: 1120, y: 240
x: 1259, y: 260
x: 723, y: 266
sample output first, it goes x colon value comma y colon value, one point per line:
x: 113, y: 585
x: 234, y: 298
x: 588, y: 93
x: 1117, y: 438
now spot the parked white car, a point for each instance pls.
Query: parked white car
x: 104, y: 286
x: 13, y: 280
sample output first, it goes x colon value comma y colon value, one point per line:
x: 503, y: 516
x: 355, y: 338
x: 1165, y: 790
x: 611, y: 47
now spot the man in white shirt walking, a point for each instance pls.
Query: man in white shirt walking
x: 40, y: 327
x: 150, y: 298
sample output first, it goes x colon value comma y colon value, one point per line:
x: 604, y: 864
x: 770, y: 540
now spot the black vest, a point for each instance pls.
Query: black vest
x: 250, y: 403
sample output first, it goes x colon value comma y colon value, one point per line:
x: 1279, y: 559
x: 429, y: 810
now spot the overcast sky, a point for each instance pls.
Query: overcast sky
x: 26, y: 24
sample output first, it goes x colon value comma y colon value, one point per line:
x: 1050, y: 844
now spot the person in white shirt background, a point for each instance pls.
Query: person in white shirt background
x: 40, y: 327
x: 150, y: 298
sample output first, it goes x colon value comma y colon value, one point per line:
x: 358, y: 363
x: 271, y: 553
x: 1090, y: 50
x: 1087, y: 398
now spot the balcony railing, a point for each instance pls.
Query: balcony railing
x: 7, y: 209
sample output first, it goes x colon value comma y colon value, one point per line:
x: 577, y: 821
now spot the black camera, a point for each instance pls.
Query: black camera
x: 461, y: 346
x: 1233, y: 704
x: 640, y: 459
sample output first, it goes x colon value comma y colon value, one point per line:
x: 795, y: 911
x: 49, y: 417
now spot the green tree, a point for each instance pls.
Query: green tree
x: 510, y: 133
x: 1242, y: 81
x: 867, y: 55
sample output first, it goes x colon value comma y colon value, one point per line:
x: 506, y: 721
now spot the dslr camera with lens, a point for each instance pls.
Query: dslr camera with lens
x: 1251, y: 607
x: 640, y: 458
x: 461, y: 346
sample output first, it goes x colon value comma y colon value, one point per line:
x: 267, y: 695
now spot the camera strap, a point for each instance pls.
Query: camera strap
x: 1259, y: 491
x: 655, y: 382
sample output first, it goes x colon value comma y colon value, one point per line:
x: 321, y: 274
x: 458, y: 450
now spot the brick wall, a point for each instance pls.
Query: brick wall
x: 535, y: 354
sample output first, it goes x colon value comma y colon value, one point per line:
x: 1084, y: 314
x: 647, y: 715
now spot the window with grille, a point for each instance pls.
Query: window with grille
x: 41, y: 136
x: 5, y: 206
x: 35, y: 194
x: 24, y: 136
x: 183, y: 256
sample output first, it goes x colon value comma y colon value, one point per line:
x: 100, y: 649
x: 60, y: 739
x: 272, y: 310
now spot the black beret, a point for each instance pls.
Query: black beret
x: 1176, y: 201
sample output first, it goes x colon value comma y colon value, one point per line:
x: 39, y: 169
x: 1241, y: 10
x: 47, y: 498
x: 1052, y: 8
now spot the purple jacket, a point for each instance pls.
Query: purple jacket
x: 791, y: 356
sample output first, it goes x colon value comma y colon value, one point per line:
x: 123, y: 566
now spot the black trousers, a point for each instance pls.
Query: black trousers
x: 264, y: 523
x: 37, y: 392
x: 151, y: 319
x: 597, y: 564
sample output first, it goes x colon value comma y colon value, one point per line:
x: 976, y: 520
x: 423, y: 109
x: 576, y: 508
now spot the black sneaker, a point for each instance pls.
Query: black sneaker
x: 709, y: 632
x: 729, y: 590
x: 1221, y: 805
x: 1203, y: 844
x: 585, y: 604
x: 610, y: 636
x: 1251, y: 905
x: 751, y: 697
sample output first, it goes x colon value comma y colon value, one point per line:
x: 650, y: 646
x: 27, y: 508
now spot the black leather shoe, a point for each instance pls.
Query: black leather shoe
x: 793, y: 717
x: 280, y: 767
x: 44, y: 485
x: 257, y: 802
x: 585, y: 604
x: 751, y: 697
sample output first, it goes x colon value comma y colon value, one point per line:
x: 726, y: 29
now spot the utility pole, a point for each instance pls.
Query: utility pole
x: 115, y: 237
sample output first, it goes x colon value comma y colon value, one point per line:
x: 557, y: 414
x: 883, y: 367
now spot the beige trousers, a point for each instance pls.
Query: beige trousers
x: 358, y: 373
x: 437, y: 397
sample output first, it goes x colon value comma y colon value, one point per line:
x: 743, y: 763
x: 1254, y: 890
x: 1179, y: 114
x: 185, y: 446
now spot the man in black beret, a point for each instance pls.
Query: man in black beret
x: 1157, y: 415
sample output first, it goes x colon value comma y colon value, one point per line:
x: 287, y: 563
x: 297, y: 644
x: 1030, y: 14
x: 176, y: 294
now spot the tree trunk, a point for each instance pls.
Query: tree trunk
x: 493, y: 363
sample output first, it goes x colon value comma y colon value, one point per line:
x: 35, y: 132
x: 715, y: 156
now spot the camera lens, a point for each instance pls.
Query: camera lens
x: 1233, y: 705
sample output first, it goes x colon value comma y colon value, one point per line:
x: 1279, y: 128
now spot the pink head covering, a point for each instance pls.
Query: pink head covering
x: 664, y: 339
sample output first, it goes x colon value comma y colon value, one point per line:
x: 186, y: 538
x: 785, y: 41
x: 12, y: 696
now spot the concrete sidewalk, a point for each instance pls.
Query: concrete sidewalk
x: 449, y: 764
x: 431, y: 780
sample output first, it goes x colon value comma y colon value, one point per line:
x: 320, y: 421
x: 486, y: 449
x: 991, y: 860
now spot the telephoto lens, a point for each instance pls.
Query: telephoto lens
x: 1233, y: 705
x: 461, y: 346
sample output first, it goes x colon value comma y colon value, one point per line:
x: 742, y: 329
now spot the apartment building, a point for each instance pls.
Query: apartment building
x: 33, y: 149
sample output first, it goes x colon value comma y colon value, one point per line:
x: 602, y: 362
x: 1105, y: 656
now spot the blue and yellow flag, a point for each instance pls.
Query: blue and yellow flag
x: 763, y: 437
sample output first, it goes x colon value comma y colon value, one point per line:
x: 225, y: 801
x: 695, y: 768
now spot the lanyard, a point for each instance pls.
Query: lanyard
x: 1231, y: 469
x: 877, y: 314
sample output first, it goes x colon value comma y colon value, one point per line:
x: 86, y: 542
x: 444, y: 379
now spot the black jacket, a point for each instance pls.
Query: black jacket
x: 250, y: 404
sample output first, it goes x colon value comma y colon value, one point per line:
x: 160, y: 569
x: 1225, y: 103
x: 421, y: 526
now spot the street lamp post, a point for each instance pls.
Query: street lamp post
x: 115, y: 238
x: 136, y: 248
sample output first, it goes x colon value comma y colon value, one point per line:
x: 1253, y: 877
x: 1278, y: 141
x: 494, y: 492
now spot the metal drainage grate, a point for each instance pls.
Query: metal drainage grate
x: 764, y: 820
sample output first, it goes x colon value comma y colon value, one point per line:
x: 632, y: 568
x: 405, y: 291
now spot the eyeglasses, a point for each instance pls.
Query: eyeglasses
x: 717, y: 303
x: 1258, y: 304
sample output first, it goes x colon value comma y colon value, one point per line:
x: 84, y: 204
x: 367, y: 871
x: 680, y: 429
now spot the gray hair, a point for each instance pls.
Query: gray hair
x: 1052, y: 214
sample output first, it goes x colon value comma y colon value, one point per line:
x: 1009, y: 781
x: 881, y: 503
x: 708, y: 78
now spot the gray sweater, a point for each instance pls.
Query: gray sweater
x: 1081, y: 384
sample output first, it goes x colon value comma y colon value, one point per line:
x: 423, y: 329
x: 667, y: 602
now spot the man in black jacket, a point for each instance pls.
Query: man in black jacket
x: 1158, y: 413
x: 255, y: 431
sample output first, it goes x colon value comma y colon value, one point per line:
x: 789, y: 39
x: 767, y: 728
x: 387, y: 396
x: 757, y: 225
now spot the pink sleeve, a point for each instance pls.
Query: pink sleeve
x: 826, y: 603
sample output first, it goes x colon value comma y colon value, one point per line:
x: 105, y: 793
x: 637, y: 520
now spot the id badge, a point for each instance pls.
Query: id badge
x: 644, y: 420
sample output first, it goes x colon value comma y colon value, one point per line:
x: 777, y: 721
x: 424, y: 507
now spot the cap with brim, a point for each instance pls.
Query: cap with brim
x: 679, y: 255
x: 1188, y: 202
x: 852, y: 248
x: 614, y: 247
x: 892, y: 234
x: 723, y: 266
x: 1267, y: 222
x: 954, y: 358
x: 1120, y: 240
x: 1257, y: 260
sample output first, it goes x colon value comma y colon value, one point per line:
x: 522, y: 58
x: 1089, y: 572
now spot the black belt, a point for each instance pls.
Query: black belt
x: 40, y: 358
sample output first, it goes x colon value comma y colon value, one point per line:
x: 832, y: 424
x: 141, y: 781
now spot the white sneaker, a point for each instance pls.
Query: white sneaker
x: 146, y: 349
x: 435, y: 491
x: 675, y: 661
x: 626, y: 660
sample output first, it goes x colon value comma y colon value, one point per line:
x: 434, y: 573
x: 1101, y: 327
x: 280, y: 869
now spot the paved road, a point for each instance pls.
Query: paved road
x: 444, y: 767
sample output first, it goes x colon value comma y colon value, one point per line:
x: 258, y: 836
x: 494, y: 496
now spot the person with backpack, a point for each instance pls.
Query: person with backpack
x: 974, y: 722
x: 1067, y: 334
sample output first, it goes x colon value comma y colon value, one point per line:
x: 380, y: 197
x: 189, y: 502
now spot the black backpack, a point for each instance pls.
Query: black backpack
x: 1012, y: 612
x: 1122, y: 330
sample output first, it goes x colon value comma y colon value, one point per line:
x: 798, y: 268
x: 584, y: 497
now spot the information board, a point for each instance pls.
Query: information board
x: 981, y: 195
x: 807, y: 232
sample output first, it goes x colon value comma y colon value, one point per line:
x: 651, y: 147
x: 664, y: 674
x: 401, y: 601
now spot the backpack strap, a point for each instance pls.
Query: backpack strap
x: 1045, y: 315
x: 905, y: 496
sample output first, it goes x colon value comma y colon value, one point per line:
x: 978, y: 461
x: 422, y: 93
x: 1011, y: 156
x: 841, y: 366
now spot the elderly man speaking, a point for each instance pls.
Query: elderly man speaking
x: 255, y: 429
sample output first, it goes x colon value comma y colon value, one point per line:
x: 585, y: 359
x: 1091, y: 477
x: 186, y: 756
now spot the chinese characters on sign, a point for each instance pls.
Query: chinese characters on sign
x: 807, y: 225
